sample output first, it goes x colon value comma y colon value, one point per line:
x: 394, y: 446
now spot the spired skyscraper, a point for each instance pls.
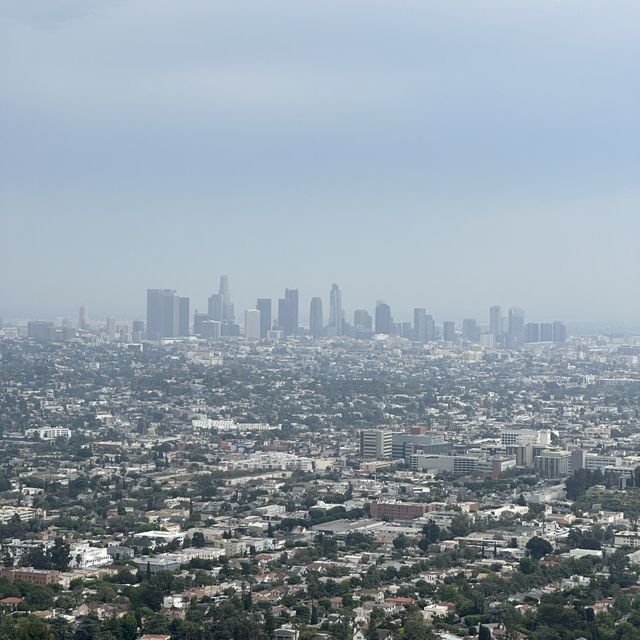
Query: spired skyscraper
x: 316, y: 322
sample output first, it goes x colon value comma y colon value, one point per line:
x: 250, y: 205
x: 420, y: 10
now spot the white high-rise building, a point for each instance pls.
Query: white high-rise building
x: 376, y: 443
x: 252, y: 324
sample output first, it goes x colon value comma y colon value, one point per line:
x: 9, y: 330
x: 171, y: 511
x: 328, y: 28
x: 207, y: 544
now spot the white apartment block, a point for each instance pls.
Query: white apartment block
x: 48, y: 433
x: 84, y: 556
x: 523, y: 437
x: 443, y: 463
x: 272, y: 461
x: 627, y: 539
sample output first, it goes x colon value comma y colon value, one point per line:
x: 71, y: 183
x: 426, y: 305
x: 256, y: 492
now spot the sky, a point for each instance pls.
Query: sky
x: 444, y: 154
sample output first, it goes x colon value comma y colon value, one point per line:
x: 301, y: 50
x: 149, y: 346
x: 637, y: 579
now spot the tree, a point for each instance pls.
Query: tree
x: 432, y: 531
x: 59, y: 555
x: 247, y: 600
x: 36, y: 558
x: 34, y: 629
x: 87, y: 628
x: 198, y: 540
x: 460, y: 525
x: 538, y: 547
x: 269, y: 623
x: 527, y: 565
x: 415, y: 628
x: 401, y: 542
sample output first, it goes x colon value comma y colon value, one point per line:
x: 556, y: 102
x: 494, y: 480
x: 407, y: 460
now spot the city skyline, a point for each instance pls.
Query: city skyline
x: 221, y: 307
x: 168, y: 317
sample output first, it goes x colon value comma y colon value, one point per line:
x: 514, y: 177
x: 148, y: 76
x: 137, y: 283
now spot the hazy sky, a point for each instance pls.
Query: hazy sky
x: 445, y: 154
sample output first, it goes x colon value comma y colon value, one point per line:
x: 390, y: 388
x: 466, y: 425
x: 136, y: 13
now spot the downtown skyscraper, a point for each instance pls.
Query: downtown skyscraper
x: 263, y: 305
x: 516, y: 327
x: 228, y: 313
x: 316, y: 326
x: 167, y: 314
x: 288, y: 312
x: 383, y: 320
x: 336, y: 315
x: 420, y: 324
x: 495, y: 320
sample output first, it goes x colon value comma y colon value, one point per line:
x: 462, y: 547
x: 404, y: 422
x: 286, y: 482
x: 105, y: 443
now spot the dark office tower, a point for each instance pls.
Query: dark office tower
x: 335, y: 311
x: 384, y: 321
x: 420, y: 325
x: 288, y: 312
x: 546, y: 332
x: 362, y: 319
x: 291, y: 295
x: 404, y: 330
x: 316, y: 321
x: 183, y: 316
x: 559, y: 332
x: 532, y: 332
x: 230, y: 330
x: 41, y: 330
x: 211, y: 329
x: 430, y: 330
x: 471, y: 330
x: 83, y: 318
x: 516, y: 327
x: 198, y: 323
x: 216, y: 307
x: 449, y: 331
x: 362, y: 324
x: 495, y: 320
x: 162, y: 313
x: 263, y: 305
